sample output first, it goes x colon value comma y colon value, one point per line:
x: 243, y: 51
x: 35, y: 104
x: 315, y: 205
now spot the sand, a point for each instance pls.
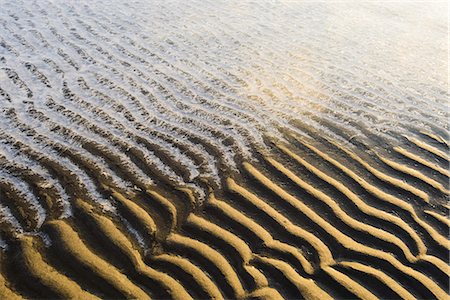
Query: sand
x: 219, y: 150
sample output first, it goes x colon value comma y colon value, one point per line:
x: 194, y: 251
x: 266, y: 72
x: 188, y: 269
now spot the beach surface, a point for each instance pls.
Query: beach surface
x: 224, y: 150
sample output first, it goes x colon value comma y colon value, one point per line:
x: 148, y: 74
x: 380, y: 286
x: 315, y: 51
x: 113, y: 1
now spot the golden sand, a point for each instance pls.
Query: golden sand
x: 235, y: 252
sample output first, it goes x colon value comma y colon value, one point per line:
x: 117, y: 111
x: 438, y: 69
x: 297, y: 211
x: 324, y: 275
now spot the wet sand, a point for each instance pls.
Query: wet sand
x: 191, y: 151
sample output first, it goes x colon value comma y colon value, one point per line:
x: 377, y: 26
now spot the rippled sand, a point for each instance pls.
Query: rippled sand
x: 218, y: 149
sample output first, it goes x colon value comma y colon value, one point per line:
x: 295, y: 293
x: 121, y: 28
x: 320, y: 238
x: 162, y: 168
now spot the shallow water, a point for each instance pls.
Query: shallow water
x: 102, y: 99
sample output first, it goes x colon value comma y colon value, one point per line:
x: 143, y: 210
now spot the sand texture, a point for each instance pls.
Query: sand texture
x: 224, y: 150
